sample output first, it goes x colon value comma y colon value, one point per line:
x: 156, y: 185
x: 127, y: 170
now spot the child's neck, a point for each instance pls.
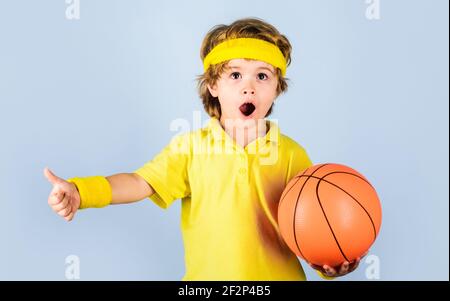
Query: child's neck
x: 245, y: 134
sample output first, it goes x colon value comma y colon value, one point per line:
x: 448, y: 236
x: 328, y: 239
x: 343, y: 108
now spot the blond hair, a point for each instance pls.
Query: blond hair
x: 243, y: 28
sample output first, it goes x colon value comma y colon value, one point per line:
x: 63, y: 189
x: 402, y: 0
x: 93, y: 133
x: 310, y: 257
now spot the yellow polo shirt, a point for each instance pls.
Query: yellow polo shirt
x: 229, y: 199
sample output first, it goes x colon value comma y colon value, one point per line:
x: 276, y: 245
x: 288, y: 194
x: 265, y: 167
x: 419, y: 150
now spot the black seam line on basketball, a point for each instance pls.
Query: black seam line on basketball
x: 297, y: 176
x: 326, y: 218
x: 349, y: 173
x: 295, y: 214
x: 291, y: 187
x: 367, y: 212
x: 284, y: 196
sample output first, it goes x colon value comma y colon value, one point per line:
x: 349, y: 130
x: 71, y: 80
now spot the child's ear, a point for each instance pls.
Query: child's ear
x: 213, y: 90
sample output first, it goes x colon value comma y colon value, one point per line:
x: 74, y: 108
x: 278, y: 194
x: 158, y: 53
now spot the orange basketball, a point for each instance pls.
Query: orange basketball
x: 329, y: 214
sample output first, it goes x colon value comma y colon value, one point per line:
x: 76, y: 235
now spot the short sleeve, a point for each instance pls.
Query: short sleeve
x: 167, y: 172
x: 298, y: 161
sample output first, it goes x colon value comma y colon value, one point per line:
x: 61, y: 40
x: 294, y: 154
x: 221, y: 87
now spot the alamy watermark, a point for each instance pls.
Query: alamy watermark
x: 72, y: 9
x: 372, y: 272
x: 72, y: 267
x: 373, y: 10
x: 265, y: 147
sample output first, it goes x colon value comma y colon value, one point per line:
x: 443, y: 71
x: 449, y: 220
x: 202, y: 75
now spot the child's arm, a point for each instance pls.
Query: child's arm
x: 129, y: 188
x: 65, y: 198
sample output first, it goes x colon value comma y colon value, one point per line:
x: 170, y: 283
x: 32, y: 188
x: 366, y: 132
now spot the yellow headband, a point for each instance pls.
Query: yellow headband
x: 247, y: 48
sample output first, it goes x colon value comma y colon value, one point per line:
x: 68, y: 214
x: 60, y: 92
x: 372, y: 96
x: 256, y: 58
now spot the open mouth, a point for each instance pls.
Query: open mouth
x: 247, y: 108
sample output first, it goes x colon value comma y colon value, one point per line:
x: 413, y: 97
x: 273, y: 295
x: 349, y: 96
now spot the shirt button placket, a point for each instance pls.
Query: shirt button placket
x: 243, y: 170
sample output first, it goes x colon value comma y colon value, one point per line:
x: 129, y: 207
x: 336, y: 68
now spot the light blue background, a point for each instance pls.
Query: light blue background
x: 96, y: 96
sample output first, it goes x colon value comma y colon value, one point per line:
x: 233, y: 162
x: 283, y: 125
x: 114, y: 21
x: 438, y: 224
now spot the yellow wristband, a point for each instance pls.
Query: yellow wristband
x: 95, y: 192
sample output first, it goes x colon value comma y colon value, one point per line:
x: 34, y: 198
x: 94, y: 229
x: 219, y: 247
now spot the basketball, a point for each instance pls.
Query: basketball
x: 328, y: 214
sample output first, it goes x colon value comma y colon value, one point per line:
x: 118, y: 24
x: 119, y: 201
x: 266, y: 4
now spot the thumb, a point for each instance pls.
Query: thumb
x: 51, y: 177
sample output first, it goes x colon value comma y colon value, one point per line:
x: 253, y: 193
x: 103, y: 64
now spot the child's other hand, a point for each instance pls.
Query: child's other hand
x: 337, y: 271
x: 64, y: 198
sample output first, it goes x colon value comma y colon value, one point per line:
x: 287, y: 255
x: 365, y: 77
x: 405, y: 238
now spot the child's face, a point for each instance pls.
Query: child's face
x: 246, y: 90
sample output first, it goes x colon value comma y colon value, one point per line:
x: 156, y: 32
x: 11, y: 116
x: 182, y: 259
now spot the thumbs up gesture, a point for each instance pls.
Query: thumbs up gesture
x: 64, y: 198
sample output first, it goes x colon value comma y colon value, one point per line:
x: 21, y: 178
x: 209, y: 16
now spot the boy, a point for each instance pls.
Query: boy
x: 229, y: 174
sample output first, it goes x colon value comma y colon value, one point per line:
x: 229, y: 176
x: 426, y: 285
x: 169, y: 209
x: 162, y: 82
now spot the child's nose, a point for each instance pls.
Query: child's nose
x: 249, y: 91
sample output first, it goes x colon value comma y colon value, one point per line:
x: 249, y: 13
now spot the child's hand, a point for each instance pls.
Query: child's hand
x: 64, y: 198
x: 345, y: 268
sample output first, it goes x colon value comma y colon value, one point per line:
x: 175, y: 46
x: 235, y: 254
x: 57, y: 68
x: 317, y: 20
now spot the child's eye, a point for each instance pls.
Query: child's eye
x: 235, y: 75
x: 262, y: 76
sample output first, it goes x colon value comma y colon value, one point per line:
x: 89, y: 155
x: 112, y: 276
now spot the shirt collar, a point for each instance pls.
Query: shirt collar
x: 215, y: 128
